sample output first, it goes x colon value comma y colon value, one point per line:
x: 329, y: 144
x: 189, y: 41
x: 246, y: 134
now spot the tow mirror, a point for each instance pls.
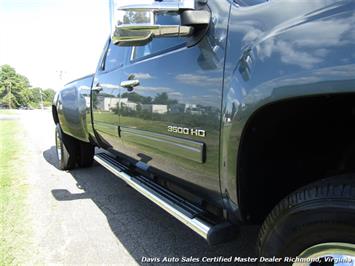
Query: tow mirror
x: 134, y: 24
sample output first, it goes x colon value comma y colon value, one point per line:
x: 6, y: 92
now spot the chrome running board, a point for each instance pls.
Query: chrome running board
x: 179, y: 208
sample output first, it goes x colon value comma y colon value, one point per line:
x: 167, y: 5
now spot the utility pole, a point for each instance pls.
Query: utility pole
x: 40, y: 92
x: 60, y: 74
x: 9, y: 98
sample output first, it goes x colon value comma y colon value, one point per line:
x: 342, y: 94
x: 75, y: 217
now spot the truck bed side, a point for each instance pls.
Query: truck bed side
x: 72, y: 108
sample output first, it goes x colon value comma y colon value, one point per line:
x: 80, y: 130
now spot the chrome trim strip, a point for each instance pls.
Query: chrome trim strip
x: 199, y: 226
x: 176, y: 146
x: 183, y: 143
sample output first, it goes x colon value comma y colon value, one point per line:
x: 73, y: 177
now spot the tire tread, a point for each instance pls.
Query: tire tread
x: 341, y: 187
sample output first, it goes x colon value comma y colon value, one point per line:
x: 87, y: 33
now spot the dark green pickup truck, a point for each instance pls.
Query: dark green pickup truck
x: 227, y: 113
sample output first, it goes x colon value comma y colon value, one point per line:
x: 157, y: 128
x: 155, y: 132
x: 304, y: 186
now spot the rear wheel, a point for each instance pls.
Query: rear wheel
x: 66, y: 154
x: 315, y: 222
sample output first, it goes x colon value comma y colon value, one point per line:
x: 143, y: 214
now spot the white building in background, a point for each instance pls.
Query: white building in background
x: 190, y: 106
x: 110, y: 103
x: 106, y: 103
x: 130, y: 105
x: 87, y: 101
x: 155, y: 108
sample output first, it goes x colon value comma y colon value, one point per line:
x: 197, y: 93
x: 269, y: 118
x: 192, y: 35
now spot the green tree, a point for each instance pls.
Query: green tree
x: 37, y: 95
x: 48, y: 95
x: 163, y: 98
x: 136, y: 98
x: 13, y: 87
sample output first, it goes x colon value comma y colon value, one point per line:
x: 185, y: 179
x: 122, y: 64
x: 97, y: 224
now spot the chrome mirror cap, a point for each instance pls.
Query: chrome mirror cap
x: 134, y: 23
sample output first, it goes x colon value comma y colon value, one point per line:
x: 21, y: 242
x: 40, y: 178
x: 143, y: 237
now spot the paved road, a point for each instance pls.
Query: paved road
x: 88, y: 216
x: 8, y: 117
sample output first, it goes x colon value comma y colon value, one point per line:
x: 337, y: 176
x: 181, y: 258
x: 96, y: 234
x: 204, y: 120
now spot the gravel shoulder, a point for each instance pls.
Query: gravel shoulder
x: 88, y: 216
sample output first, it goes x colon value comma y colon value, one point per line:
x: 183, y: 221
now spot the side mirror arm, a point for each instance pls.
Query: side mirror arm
x: 162, y: 7
x: 143, y: 34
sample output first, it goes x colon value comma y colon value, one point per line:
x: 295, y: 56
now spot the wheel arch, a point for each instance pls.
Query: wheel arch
x: 311, y: 137
x: 55, y: 114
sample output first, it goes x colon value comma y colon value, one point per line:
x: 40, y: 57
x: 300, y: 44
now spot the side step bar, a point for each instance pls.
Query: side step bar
x: 183, y: 211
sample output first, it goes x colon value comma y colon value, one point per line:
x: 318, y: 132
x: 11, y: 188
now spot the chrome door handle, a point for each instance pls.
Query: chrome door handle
x: 130, y: 84
x: 97, y: 88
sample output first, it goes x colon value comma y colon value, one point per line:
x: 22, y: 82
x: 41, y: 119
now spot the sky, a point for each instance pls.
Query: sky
x: 52, y: 42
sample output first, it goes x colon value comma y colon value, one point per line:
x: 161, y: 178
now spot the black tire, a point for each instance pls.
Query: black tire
x: 86, y: 157
x: 66, y: 150
x: 323, y: 212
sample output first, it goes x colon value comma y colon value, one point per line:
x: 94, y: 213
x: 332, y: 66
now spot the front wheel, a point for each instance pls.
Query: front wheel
x: 316, y: 223
x: 66, y: 155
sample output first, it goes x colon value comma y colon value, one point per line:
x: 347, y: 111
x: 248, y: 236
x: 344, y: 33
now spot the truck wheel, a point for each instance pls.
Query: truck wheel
x: 87, y: 151
x: 317, y: 221
x: 66, y: 154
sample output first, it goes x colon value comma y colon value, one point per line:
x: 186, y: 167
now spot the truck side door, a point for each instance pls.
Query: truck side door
x: 171, y: 120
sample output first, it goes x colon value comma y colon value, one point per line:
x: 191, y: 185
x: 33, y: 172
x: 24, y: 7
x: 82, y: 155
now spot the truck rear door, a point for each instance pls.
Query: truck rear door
x: 106, y: 95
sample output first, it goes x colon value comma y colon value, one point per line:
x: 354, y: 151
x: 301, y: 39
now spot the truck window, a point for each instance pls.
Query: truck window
x: 159, y: 44
x: 115, y: 56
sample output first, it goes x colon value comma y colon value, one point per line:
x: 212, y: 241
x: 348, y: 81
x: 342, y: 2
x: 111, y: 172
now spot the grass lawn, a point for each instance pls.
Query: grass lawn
x: 13, y: 232
x: 7, y: 111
